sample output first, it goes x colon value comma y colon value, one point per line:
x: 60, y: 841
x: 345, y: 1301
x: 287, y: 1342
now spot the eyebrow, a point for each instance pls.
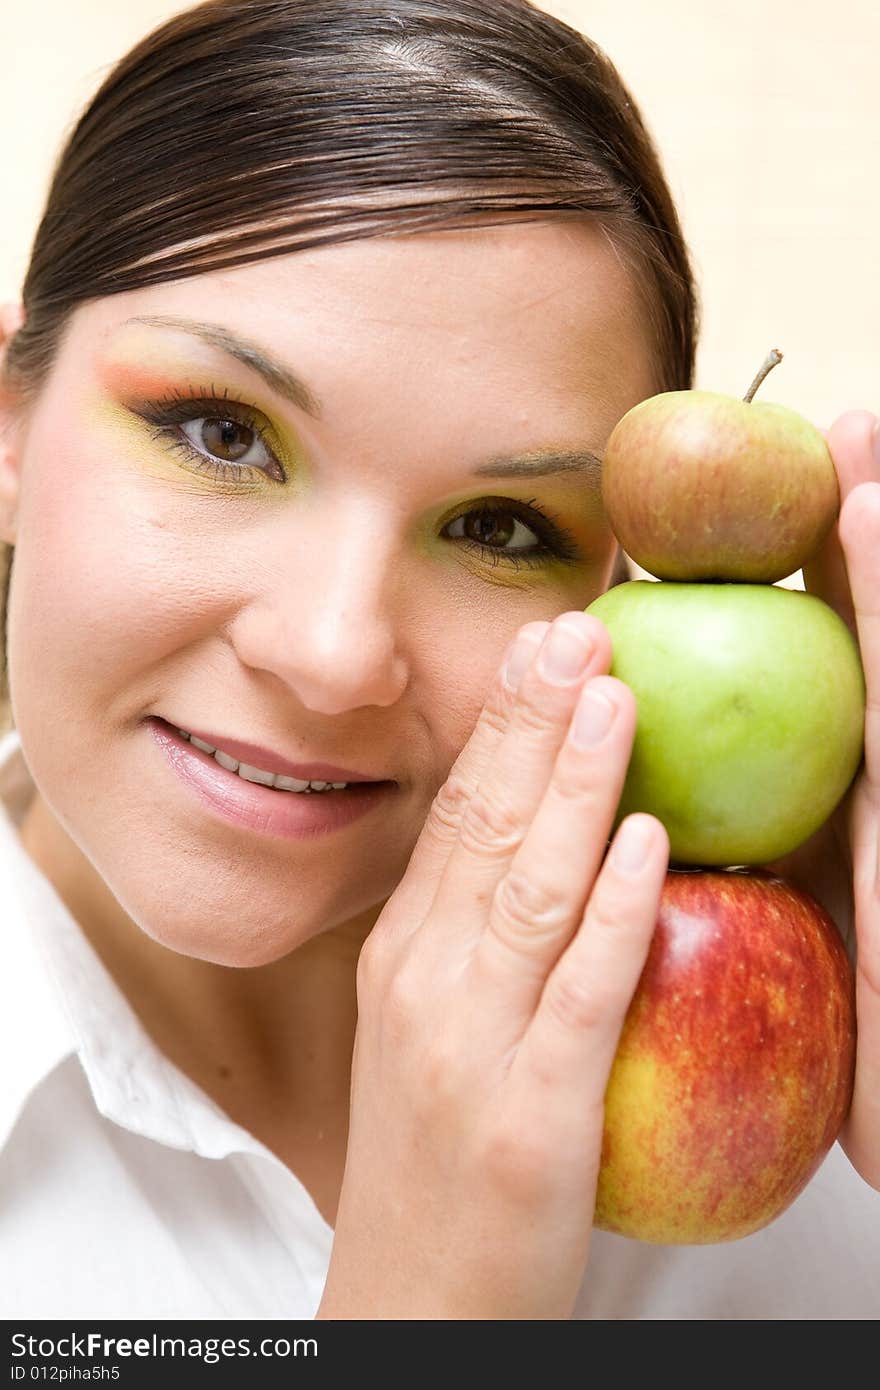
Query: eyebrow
x: 541, y: 463
x: 535, y: 463
x: 283, y: 382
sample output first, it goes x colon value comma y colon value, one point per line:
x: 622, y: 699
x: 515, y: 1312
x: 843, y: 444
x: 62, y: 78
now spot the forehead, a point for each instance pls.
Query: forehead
x: 545, y: 309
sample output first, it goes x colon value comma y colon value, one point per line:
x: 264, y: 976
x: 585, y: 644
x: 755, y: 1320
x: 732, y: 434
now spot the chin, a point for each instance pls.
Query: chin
x: 224, y: 937
x: 244, y: 933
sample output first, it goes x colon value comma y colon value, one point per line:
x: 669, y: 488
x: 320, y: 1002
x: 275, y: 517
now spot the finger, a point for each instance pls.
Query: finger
x: 854, y: 446
x: 574, y: 1034
x: 860, y: 1136
x: 540, y: 901
x: 416, y: 890
x: 497, y: 817
x: 859, y: 529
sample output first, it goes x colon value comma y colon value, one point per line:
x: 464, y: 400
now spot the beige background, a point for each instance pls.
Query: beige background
x: 766, y: 117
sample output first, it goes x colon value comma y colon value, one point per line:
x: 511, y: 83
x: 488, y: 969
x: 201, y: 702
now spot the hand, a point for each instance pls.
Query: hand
x: 491, y: 995
x: 840, y: 865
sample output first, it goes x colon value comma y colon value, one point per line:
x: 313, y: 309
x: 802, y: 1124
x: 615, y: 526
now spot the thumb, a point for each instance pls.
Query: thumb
x: 855, y: 448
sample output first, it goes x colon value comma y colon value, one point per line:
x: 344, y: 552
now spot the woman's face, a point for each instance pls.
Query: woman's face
x: 332, y: 575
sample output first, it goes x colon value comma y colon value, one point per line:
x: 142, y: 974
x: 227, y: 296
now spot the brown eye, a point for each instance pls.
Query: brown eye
x: 228, y: 440
x: 514, y: 533
x: 225, y: 440
x: 489, y: 528
x: 495, y: 528
x: 221, y: 438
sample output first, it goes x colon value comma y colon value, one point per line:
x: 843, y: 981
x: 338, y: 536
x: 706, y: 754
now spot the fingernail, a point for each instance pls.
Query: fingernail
x: 520, y: 659
x: 631, y: 845
x: 592, y: 719
x: 564, y: 653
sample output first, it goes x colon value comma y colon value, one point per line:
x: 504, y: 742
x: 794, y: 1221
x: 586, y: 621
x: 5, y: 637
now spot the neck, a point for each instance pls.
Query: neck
x: 272, y: 1045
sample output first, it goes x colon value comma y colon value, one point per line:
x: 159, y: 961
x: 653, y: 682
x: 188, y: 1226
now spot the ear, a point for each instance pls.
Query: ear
x: 11, y: 319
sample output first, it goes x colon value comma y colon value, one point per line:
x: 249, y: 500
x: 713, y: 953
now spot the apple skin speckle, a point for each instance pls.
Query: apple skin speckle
x: 735, y: 1066
x: 701, y: 486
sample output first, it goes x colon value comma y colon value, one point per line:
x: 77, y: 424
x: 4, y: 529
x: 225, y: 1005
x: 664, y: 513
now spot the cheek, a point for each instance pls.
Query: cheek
x: 107, y: 580
x: 462, y: 674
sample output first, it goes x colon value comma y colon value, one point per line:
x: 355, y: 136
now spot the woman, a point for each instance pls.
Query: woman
x: 328, y: 319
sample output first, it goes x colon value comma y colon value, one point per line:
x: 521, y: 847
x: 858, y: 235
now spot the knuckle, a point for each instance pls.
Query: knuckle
x: 526, y: 912
x: 378, y: 957
x: 577, y: 779
x: 539, y: 711
x: 495, y: 717
x: 574, y: 1002
x: 610, y: 914
x: 370, y: 968
x: 489, y: 824
x: 441, y: 1070
x: 518, y: 1163
x: 450, y: 803
x: 403, y: 1003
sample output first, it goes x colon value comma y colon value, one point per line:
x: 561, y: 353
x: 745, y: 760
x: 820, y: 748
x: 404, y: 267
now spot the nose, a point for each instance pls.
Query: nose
x: 326, y: 622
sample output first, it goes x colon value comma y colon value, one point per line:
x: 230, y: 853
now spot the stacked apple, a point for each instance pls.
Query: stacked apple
x: 734, y: 1071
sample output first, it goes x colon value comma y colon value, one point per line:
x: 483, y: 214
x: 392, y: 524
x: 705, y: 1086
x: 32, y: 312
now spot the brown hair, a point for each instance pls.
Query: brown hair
x: 243, y: 129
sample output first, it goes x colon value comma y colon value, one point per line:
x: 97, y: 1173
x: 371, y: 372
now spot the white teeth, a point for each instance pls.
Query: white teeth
x: 290, y: 784
x: 256, y: 774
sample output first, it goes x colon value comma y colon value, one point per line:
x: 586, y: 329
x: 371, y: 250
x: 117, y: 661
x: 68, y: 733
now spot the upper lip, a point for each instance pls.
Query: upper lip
x: 267, y: 761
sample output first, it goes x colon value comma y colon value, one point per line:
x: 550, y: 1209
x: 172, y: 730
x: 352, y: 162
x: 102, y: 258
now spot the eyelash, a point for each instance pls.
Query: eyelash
x: 166, y: 414
x: 180, y: 407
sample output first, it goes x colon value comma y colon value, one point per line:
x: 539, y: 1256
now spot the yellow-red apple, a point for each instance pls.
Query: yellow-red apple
x: 734, y: 1071
x: 699, y: 485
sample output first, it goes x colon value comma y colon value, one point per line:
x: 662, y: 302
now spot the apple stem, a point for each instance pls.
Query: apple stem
x: 773, y: 357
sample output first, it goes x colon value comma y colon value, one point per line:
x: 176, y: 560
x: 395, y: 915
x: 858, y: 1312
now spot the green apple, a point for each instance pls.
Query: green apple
x: 699, y: 485
x: 734, y: 1070
x: 751, y: 703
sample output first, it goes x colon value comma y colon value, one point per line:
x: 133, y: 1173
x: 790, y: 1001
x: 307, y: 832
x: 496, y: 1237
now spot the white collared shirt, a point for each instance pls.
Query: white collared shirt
x: 126, y: 1192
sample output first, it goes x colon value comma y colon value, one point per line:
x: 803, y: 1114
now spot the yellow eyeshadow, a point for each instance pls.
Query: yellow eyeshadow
x: 129, y: 386
x: 123, y: 410
x: 154, y: 460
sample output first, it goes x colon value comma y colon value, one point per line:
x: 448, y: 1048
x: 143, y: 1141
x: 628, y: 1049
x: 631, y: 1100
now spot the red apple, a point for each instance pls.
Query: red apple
x: 734, y: 1070
x: 699, y: 486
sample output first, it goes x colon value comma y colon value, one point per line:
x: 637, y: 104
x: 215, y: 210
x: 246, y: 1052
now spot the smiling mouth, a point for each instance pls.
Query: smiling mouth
x: 246, y: 772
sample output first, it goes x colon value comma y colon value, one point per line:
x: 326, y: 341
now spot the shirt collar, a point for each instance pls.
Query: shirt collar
x: 58, y: 999
x: 36, y: 1033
